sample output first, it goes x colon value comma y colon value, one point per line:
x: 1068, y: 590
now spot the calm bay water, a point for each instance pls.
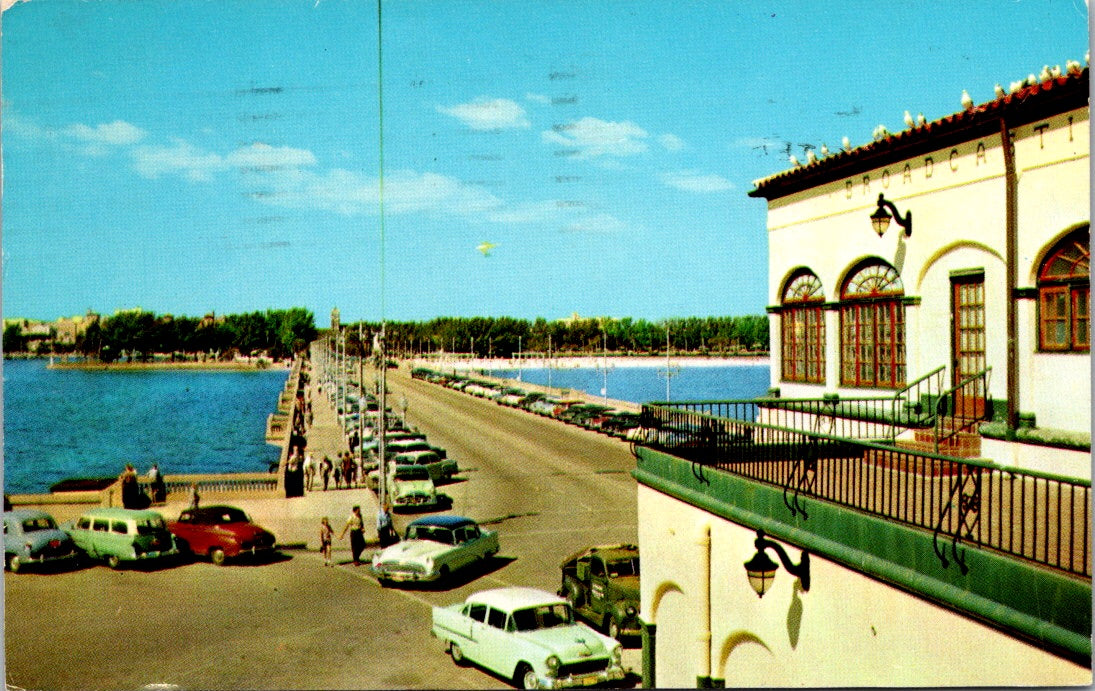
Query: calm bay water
x: 70, y: 423
x: 644, y: 384
x: 60, y: 424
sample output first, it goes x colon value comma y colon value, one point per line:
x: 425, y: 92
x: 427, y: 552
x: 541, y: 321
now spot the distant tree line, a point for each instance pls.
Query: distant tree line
x: 137, y: 335
x: 505, y: 336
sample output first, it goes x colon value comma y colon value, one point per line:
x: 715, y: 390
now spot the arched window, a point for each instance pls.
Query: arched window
x: 872, y: 327
x: 802, y: 326
x: 1064, y: 295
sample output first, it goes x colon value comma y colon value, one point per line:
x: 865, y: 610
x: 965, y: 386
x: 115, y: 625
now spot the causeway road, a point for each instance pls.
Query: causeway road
x: 548, y: 488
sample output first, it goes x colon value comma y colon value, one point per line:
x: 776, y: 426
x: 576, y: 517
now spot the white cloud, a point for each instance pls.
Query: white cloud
x: 181, y: 158
x: 597, y: 224
x: 264, y: 156
x: 538, y: 98
x: 693, y: 181
x: 671, y: 142
x: 117, y: 133
x: 18, y: 125
x: 488, y: 114
x: 592, y: 137
x: 429, y: 192
x: 350, y: 193
x: 527, y: 212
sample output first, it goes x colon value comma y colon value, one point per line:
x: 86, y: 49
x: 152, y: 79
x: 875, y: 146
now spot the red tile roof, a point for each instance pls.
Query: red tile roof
x: 1034, y: 102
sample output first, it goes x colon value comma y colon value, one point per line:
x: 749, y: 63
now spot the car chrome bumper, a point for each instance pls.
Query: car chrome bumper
x: 401, y: 576
x: 157, y: 554
x: 592, y: 678
x: 47, y: 559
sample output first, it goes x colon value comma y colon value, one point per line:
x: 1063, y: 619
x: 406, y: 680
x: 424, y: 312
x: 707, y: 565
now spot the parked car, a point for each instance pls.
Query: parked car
x: 440, y: 469
x: 395, y: 446
x: 619, y: 423
x: 122, y: 535
x: 602, y: 586
x: 220, y: 533
x: 529, y: 636
x: 433, y: 548
x: 31, y: 537
x: 410, y: 487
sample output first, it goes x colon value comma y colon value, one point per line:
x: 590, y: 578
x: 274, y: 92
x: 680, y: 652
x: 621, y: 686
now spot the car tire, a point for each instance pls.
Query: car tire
x: 574, y: 593
x: 216, y: 555
x: 457, y: 654
x: 113, y: 561
x: 14, y: 563
x: 525, y: 677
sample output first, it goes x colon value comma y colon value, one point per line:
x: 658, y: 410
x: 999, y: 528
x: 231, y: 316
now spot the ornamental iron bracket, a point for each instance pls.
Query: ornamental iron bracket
x: 963, y: 512
x: 802, y: 477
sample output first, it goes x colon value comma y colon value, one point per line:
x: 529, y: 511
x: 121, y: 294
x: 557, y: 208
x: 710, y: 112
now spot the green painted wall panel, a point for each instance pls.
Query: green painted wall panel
x: 1045, y: 606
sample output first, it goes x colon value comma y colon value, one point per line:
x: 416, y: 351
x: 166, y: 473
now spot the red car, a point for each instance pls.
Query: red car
x: 220, y: 532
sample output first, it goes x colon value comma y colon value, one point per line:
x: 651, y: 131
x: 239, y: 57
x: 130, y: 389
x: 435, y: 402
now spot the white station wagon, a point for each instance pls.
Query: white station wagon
x: 529, y: 636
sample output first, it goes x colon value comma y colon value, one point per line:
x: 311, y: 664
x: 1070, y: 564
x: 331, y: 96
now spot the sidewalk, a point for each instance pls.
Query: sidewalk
x: 295, y: 521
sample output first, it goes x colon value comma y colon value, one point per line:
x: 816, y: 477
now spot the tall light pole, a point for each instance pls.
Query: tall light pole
x: 669, y: 372
x: 381, y: 446
x: 604, y: 364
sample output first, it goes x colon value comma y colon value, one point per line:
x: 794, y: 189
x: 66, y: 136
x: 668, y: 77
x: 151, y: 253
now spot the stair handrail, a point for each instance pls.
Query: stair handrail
x: 928, y: 411
x: 967, y: 422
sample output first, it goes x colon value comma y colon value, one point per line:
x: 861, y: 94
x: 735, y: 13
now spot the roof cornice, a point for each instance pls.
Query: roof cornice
x: 1027, y: 105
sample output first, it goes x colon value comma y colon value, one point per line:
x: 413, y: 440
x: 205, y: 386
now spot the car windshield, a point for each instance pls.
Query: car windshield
x: 411, y: 472
x: 41, y: 523
x: 542, y: 617
x: 148, y: 526
x: 410, y: 445
x: 623, y: 567
x: 228, y: 516
x: 430, y: 532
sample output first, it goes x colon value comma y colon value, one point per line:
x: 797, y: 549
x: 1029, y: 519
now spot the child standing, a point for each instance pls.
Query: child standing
x: 326, y: 535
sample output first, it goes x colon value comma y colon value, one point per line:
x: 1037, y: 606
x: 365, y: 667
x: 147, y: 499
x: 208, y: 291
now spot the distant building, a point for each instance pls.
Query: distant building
x: 68, y: 329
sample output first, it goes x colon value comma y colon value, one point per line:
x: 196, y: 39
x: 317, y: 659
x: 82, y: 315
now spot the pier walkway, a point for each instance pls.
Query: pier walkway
x: 294, y: 521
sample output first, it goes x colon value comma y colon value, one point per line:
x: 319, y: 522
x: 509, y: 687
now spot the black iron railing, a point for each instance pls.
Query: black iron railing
x: 965, y: 503
x: 961, y: 408
x: 914, y: 399
x: 853, y: 418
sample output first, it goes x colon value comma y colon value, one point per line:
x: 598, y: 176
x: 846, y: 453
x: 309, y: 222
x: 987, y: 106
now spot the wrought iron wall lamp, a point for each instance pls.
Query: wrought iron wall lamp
x: 761, y: 570
x: 880, y: 219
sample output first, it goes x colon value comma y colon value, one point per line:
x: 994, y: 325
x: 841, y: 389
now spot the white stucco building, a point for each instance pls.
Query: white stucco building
x: 963, y: 564
x: 856, y: 313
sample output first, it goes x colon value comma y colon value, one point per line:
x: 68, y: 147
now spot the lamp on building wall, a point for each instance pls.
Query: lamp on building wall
x: 761, y: 570
x: 880, y: 219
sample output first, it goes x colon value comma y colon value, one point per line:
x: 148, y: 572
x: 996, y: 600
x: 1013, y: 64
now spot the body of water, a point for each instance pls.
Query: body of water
x: 73, y: 423
x: 645, y: 384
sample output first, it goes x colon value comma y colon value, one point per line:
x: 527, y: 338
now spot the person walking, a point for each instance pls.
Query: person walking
x: 326, y: 536
x: 384, y: 530
x: 194, y: 496
x: 325, y: 471
x: 156, y: 484
x: 309, y: 471
x: 348, y: 469
x: 356, y: 526
x: 131, y: 489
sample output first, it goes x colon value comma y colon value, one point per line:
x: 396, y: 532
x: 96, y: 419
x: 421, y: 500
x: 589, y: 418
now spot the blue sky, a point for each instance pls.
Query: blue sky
x: 188, y: 157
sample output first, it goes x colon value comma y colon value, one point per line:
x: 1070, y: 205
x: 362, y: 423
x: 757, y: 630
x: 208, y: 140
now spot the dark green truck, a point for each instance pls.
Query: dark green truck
x: 602, y: 586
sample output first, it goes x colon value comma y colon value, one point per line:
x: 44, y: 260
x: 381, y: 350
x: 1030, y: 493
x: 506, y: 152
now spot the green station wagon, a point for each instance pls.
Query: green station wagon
x: 118, y: 535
